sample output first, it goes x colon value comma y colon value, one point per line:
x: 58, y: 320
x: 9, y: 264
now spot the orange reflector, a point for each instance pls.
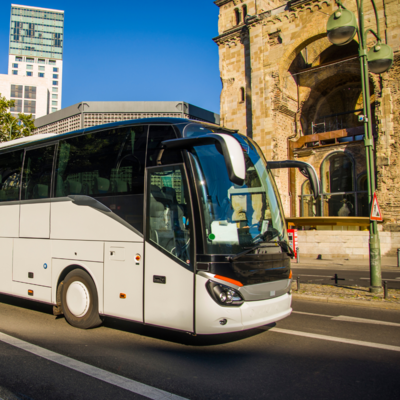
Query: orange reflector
x: 291, y: 274
x: 224, y: 278
x: 122, y: 296
x: 137, y: 257
x: 30, y: 292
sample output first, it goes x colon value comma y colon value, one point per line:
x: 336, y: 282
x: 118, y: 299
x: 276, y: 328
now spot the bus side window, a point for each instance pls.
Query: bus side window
x: 168, y: 211
x: 36, y: 179
x: 108, y: 166
x: 157, y: 134
x: 103, y: 163
x: 10, y: 175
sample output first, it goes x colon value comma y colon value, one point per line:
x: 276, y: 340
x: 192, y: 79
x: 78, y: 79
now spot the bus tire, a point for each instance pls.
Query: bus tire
x: 79, y: 301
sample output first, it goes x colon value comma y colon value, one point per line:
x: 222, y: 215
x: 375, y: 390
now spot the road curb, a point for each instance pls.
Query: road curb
x: 335, y: 300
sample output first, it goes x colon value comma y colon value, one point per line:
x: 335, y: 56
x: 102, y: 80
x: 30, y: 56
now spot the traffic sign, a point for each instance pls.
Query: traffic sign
x: 376, y: 214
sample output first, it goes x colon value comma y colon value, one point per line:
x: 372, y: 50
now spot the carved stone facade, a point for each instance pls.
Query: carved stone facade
x: 283, y: 81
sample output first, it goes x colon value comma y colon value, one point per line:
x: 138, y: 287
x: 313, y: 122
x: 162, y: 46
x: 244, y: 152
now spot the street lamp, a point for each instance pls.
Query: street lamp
x: 341, y: 29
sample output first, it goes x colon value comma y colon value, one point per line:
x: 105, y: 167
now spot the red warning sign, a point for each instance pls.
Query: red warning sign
x: 376, y: 214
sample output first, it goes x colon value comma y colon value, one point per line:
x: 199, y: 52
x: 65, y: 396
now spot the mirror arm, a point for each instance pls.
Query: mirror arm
x: 305, y: 169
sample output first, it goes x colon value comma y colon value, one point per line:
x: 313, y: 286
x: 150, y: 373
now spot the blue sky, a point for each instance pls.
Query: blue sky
x: 154, y: 50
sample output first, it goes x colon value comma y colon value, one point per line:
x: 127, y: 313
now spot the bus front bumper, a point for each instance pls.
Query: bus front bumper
x: 263, y: 312
x: 212, y: 318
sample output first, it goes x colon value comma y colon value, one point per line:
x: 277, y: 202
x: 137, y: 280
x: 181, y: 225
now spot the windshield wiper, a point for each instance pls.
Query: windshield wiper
x: 242, y: 253
x: 283, y: 245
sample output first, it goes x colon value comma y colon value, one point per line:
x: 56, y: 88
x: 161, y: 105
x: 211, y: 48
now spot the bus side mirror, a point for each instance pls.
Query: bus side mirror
x: 305, y: 169
x: 234, y: 158
x: 230, y: 147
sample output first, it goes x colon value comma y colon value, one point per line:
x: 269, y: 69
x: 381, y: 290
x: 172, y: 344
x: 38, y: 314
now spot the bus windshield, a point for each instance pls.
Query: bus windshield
x: 237, y: 217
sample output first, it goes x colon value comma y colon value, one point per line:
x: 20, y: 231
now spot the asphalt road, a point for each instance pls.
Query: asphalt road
x: 346, y: 277
x: 322, y: 351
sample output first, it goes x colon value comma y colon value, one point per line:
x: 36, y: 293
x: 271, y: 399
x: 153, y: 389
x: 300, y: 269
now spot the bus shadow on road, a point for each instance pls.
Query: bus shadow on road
x: 180, y: 337
x: 149, y: 331
x: 27, y: 304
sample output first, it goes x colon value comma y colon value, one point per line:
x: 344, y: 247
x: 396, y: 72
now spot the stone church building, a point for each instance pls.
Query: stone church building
x: 299, y: 97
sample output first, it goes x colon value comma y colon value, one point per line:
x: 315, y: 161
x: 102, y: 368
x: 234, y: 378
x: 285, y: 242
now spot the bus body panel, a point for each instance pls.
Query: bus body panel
x: 6, y: 251
x: 168, y: 304
x: 31, y: 292
x: 94, y: 269
x: 32, y: 261
x: 78, y: 250
x: 9, y: 217
x: 35, y: 220
x: 71, y: 221
x: 123, y: 280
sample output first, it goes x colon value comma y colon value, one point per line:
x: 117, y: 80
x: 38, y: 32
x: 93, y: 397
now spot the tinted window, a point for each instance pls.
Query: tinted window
x: 30, y: 92
x: 10, y: 175
x: 108, y: 166
x: 168, y: 211
x: 30, y: 106
x: 36, y: 179
x: 157, y: 134
x: 104, y: 163
x: 16, y: 91
x: 18, y: 106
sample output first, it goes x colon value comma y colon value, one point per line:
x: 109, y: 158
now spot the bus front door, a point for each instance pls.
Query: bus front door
x: 169, y: 277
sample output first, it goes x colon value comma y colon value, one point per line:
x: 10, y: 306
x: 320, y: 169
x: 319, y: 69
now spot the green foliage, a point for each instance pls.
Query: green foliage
x: 10, y: 126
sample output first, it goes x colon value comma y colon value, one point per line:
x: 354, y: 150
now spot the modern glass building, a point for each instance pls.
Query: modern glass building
x: 35, y: 61
x: 37, y: 32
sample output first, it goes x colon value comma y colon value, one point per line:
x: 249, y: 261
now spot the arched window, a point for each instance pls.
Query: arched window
x: 338, y: 173
x: 338, y: 186
x: 244, y: 12
x: 237, y: 16
x: 242, y: 95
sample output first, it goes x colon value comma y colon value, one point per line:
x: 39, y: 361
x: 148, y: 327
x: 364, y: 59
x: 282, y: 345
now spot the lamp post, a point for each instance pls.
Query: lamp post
x: 341, y: 29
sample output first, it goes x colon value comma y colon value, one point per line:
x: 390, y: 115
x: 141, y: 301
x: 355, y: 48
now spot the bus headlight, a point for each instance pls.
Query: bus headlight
x: 224, y: 295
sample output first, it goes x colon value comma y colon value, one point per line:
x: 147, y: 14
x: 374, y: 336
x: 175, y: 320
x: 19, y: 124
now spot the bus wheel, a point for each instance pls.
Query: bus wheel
x: 79, y: 300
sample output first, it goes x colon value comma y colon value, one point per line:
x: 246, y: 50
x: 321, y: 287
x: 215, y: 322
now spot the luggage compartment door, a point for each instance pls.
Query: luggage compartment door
x: 123, y: 280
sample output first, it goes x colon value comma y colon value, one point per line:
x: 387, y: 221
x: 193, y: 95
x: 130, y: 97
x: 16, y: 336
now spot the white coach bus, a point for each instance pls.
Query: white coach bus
x: 167, y: 222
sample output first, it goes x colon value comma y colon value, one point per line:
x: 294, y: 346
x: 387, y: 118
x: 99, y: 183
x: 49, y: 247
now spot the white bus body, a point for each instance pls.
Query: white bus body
x: 101, y: 223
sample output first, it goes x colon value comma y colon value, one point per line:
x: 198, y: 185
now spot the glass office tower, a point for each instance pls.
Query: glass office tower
x: 36, y: 32
x: 35, y: 61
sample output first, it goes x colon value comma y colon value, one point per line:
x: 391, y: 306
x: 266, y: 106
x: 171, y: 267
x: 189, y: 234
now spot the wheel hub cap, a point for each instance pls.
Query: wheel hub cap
x: 78, y: 299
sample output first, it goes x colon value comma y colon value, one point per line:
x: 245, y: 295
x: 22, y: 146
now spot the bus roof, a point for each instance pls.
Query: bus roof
x: 46, y: 136
x: 26, y: 139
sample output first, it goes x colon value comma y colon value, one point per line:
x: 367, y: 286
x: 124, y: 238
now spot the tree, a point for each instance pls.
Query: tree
x: 10, y: 126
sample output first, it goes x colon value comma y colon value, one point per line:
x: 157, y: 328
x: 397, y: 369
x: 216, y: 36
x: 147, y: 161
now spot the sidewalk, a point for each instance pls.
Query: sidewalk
x: 346, y: 295
x: 387, y: 263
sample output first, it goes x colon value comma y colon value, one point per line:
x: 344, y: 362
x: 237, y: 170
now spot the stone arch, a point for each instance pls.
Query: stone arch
x: 333, y: 53
x: 299, y: 44
x: 338, y: 93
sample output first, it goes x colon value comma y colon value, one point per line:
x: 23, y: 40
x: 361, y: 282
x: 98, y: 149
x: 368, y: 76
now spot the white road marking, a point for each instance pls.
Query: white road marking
x: 383, y: 279
x: 105, y: 376
x: 308, y: 313
x: 349, y: 319
x: 320, y: 276
x: 334, y: 339
x: 364, y: 320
